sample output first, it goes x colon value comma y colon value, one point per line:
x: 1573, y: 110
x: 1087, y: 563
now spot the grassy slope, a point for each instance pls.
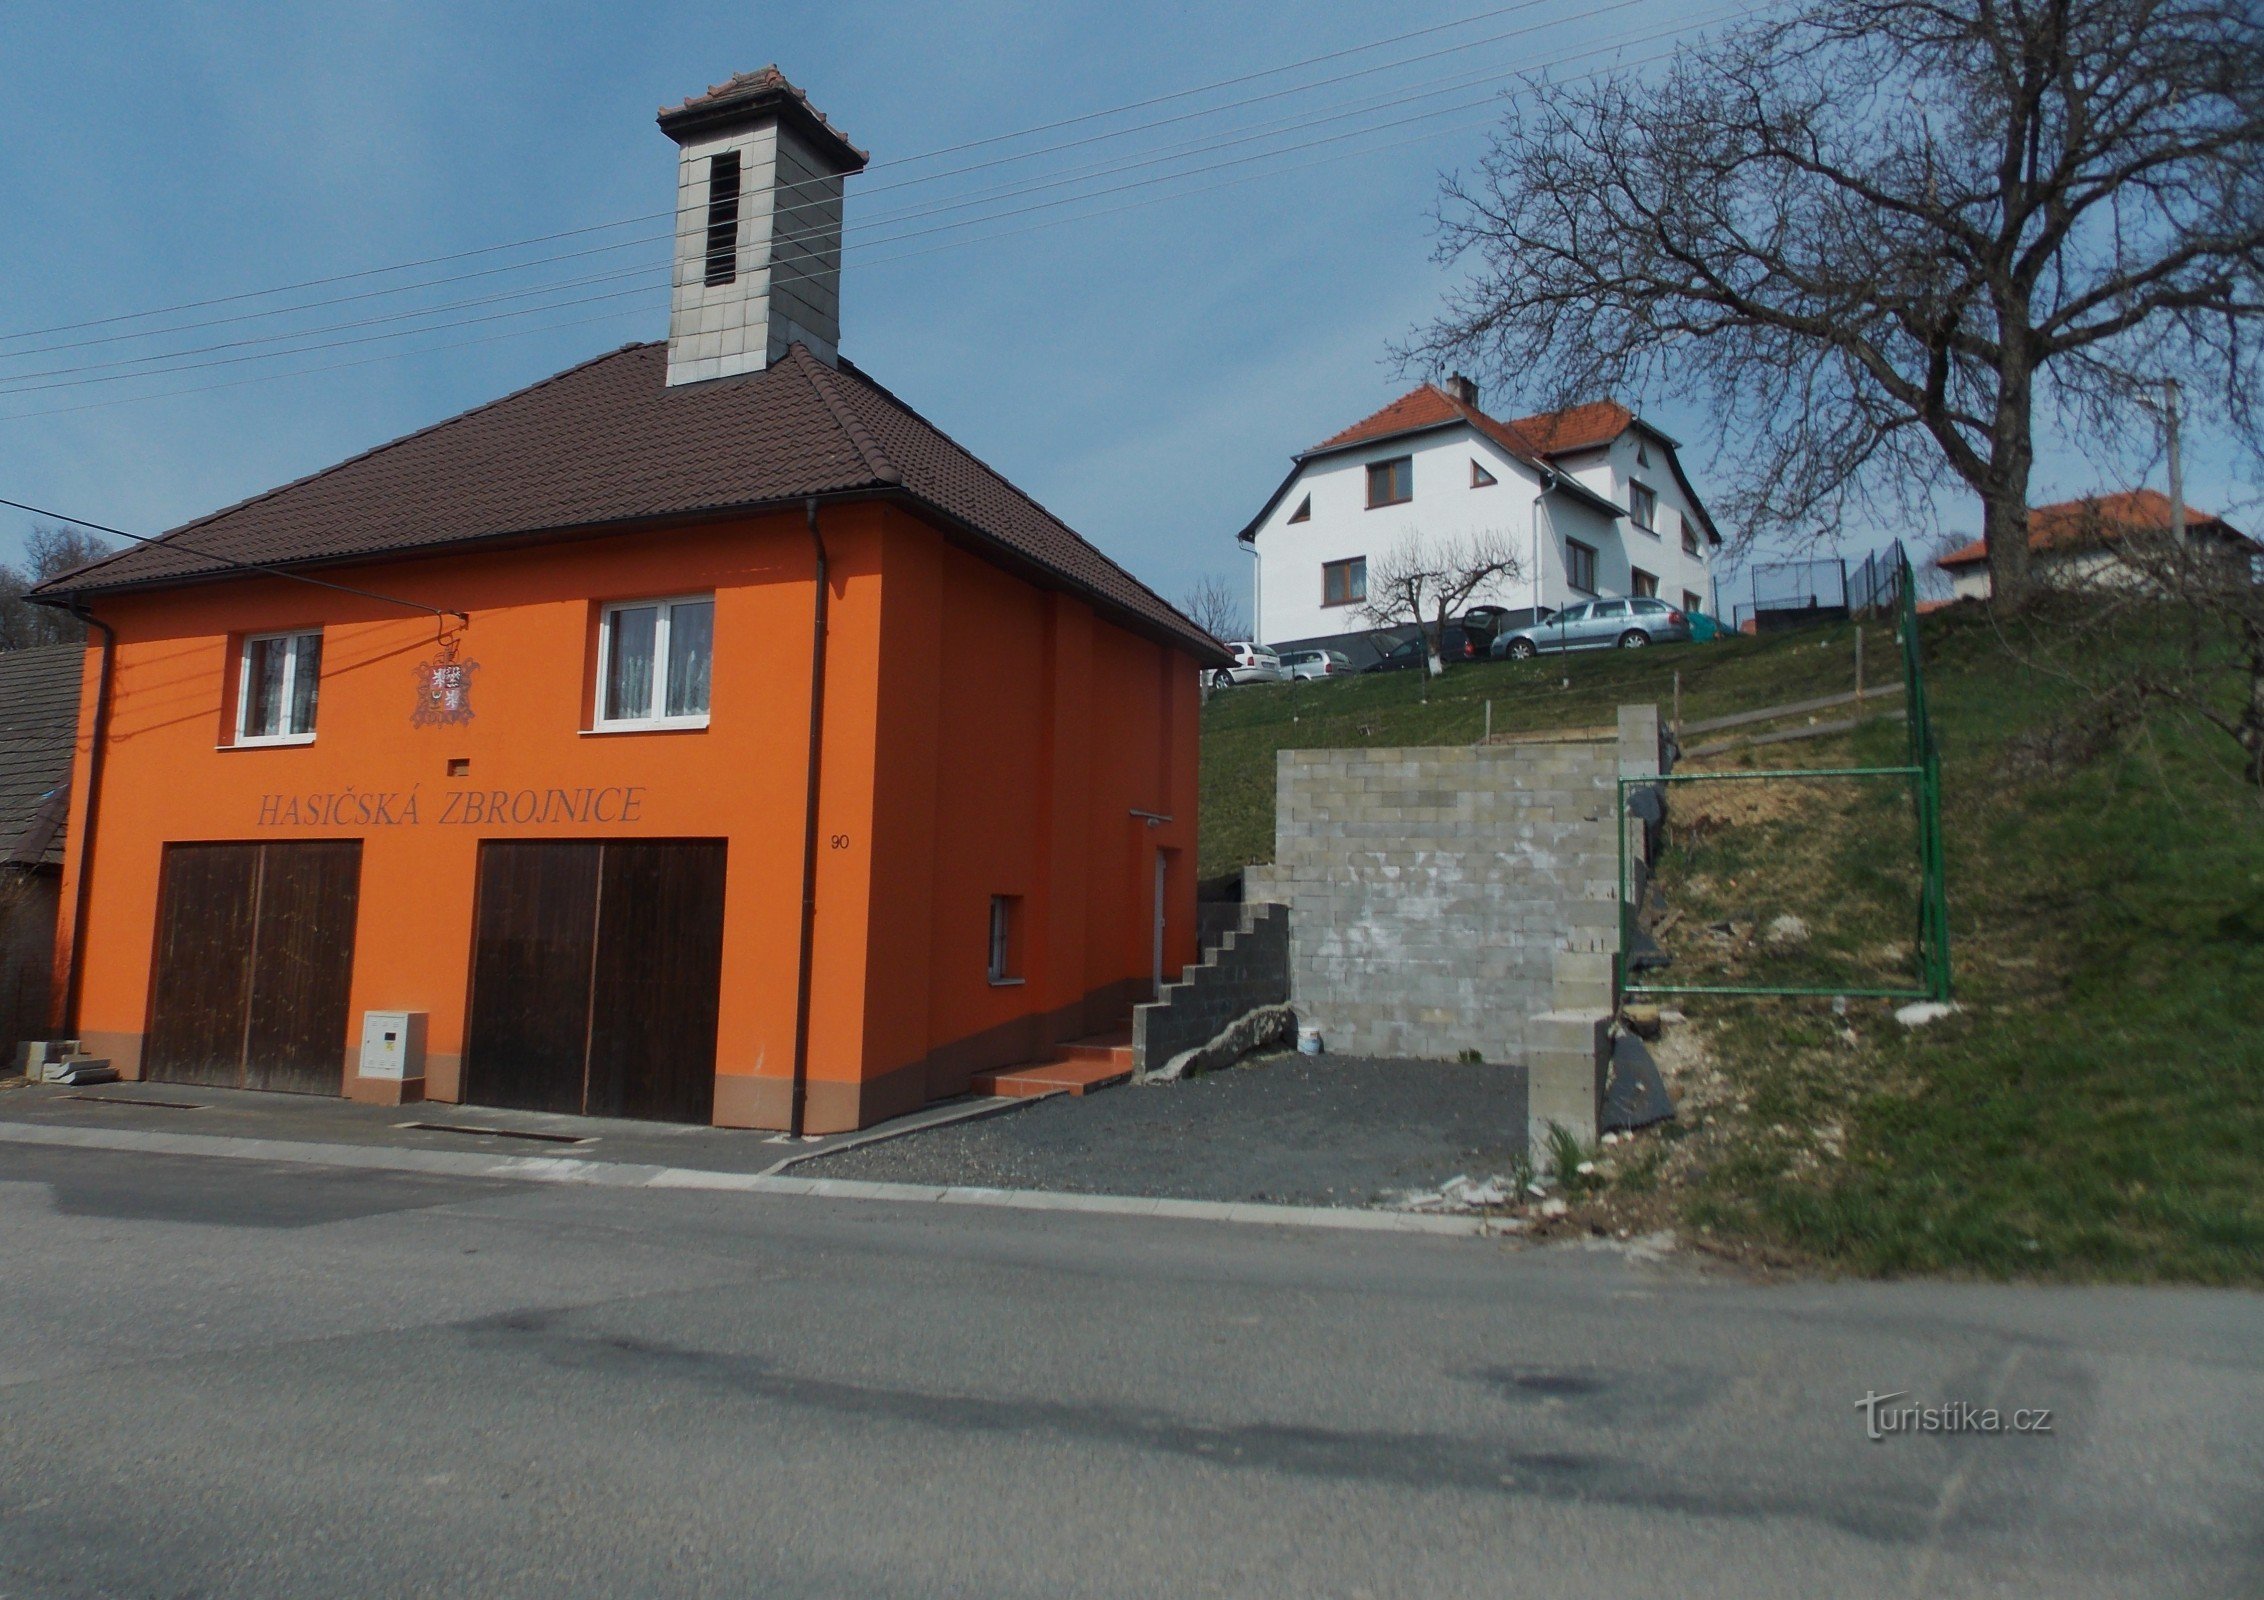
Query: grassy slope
x: 2097, y: 1110
x: 1244, y: 727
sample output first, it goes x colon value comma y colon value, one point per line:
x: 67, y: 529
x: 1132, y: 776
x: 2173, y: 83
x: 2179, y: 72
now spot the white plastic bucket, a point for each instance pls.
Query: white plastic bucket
x: 1309, y: 1041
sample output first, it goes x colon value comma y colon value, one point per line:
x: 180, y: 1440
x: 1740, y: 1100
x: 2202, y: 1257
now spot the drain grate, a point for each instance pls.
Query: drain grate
x: 127, y: 1100
x: 498, y: 1133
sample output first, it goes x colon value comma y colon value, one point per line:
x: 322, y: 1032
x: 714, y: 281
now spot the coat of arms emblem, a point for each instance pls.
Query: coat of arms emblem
x: 444, y: 689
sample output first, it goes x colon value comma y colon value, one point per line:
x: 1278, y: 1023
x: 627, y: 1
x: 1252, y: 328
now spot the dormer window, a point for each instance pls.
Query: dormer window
x: 1643, y: 506
x: 1304, y: 511
x: 723, y: 218
x: 1480, y: 478
x: 1392, y: 482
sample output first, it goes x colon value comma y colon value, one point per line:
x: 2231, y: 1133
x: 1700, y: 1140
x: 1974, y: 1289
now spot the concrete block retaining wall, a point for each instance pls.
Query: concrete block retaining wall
x: 1431, y: 887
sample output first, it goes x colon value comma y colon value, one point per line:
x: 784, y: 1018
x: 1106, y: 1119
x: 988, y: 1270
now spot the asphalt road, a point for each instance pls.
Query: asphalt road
x: 220, y: 1377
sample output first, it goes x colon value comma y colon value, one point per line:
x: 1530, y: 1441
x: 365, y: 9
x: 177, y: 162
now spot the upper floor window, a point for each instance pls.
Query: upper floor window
x: 1689, y: 533
x: 653, y: 663
x: 1344, y: 583
x: 1644, y: 583
x: 1580, y: 565
x: 1480, y: 478
x: 1391, y: 482
x: 723, y: 218
x: 275, y: 693
x: 1304, y: 511
x: 1643, y: 506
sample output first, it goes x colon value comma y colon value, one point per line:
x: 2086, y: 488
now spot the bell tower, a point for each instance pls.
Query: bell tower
x: 759, y: 177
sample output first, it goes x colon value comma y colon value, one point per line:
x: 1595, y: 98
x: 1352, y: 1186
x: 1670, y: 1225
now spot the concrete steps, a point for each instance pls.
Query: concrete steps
x: 1078, y: 1067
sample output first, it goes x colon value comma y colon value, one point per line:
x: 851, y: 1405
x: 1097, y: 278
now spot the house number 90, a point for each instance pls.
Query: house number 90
x: 840, y: 841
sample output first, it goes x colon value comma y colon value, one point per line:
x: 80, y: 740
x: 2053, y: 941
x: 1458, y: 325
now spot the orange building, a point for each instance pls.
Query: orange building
x: 697, y: 734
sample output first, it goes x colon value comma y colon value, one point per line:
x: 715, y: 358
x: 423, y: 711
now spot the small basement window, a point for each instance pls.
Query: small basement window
x: 1643, y: 506
x: 275, y: 688
x: 1480, y: 478
x: 1006, y: 938
x: 1692, y: 601
x: 1344, y: 583
x: 1392, y: 482
x: 1580, y: 565
x: 654, y: 663
x: 723, y: 218
x: 1645, y: 583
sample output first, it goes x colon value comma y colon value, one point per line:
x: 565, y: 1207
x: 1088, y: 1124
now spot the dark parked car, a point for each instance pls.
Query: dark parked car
x: 1455, y: 648
x: 1599, y: 625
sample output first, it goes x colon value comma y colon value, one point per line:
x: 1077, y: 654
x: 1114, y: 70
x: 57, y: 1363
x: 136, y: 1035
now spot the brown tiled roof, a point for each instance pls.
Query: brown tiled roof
x: 609, y: 443
x: 39, y: 724
x: 2067, y: 524
x: 747, y: 95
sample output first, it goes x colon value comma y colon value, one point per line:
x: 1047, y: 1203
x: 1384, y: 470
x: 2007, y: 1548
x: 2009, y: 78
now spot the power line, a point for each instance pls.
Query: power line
x: 993, y: 139
x: 1728, y: 14
x: 172, y: 542
x: 172, y: 361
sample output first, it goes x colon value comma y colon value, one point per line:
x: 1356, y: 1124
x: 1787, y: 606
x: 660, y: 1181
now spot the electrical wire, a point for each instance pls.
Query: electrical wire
x: 230, y: 563
x: 869, y: 190
x: 1623, y: 64
x: 173, y: 361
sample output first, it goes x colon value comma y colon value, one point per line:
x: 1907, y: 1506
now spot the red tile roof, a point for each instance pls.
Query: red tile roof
x: 1581, y: 427
x: 1546, y: 433
x: 608, y: 443
x: 1535, y: 440
x: 2067, y: 524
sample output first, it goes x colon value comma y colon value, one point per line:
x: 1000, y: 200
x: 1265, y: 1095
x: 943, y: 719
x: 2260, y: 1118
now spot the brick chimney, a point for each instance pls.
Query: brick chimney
x: 758, y: 227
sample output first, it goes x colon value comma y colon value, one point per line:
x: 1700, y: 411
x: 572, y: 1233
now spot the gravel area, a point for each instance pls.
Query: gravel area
x: 1284, y: 1129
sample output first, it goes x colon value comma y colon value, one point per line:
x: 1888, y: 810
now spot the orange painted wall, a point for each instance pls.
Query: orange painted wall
x: 949, y: 685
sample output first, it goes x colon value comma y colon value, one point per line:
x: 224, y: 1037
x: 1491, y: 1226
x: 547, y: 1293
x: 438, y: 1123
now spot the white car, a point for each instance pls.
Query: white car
x: 1253, y: 663
x: 1306, y: 665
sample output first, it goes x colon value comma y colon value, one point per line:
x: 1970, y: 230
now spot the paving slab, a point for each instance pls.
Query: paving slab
x: 1281, y: 1130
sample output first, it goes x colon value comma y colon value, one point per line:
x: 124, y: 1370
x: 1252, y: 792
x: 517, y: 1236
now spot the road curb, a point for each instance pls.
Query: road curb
x: 637, y: 1175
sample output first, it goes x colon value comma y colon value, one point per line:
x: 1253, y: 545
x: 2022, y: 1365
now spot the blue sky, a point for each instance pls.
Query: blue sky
x: 1145, y: 372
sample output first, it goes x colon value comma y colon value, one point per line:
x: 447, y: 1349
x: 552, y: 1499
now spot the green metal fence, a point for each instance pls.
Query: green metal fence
x: 1921, y: 769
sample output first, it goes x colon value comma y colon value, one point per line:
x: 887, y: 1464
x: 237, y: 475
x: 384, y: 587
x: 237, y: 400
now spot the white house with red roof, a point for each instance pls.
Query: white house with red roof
x: 2076, y: 542
x: 1592, y: 499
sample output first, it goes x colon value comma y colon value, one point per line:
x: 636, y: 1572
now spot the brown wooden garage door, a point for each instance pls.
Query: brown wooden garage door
x: 255, y: 951
x: 597, y: 972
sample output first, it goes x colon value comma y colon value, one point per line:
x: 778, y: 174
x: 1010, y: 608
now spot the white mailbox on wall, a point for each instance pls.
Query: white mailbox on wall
x: 393, y: 1044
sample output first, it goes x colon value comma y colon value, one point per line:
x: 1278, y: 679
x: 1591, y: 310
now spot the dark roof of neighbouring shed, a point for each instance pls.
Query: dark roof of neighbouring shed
x: 39, y: 723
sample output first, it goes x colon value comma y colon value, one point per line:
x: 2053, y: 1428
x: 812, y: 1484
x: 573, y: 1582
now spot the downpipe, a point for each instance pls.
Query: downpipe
x: 97, y: 753
x: 813, y: 764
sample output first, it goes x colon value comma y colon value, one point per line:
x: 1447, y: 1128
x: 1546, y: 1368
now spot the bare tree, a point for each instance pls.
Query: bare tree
x: 49, y: 552
x: 1884, y: 237
x: 1213, y: 606
x: 1426, y: 580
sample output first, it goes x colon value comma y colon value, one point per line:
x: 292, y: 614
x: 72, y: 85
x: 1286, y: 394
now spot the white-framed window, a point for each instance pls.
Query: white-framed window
x: 653, y: 663
x: 278, y: 677
x: 1005, y: 938
x: 1643, y: 506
